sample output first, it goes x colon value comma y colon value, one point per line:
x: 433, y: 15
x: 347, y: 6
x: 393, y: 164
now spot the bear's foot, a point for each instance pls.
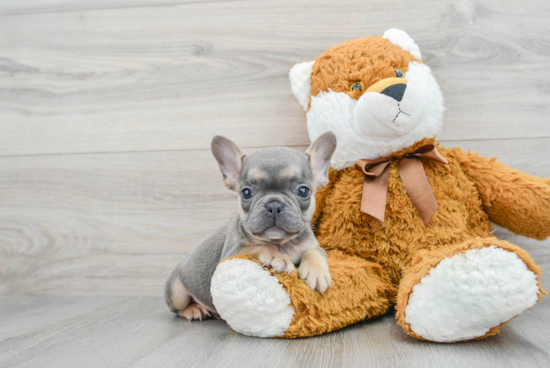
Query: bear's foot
x: 250, y: 298
x: 467, y: 291
x: 259, y: 302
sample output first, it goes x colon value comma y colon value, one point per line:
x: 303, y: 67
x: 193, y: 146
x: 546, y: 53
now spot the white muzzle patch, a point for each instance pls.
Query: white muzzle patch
x: 382, y: 117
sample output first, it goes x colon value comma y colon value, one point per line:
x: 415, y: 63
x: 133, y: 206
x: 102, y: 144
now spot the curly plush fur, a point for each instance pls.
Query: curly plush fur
x: 450, y: 281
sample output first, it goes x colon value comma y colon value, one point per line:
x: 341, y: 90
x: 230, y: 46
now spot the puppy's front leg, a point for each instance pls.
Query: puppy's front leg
x: 270, y: 257
x: 314, y: 270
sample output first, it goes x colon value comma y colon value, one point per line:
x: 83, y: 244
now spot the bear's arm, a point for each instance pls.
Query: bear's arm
x: 513, y: 199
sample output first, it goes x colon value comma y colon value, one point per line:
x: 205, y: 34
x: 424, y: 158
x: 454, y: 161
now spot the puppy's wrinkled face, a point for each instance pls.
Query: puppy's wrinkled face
x: 277, y: 193
x: 276, y: 185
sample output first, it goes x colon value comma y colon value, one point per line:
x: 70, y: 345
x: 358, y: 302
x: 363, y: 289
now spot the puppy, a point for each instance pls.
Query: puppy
x: 276, y: 189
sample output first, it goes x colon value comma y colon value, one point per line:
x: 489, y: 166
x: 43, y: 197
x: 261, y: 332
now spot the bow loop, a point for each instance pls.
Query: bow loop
x: 373, y: 168
x: 411, y: 170
x: 428, y: 151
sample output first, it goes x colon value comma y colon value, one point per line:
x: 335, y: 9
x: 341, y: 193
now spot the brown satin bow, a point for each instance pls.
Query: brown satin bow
x: 377, y: 174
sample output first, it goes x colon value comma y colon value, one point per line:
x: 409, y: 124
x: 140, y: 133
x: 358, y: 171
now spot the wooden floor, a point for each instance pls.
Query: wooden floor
x: 110, y: 331
x: 107, y: 109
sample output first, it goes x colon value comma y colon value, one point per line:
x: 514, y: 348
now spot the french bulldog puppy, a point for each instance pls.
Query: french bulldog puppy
x: 272, y: 224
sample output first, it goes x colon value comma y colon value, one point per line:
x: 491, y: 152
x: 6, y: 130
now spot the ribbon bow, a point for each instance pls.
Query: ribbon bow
x: 377, y: 174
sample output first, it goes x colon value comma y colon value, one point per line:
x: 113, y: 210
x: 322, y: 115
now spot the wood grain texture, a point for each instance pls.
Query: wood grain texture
x: 107, y: 109
x: 65, y: 331
x: 116, y: 223
x: 26, y: 7
x: 170, y: 77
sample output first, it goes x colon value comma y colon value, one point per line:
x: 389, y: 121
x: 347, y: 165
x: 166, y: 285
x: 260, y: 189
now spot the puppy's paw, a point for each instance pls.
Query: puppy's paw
x: 281, y: 264
x: 278, y: 261
x: 194, y: 311
x: 317, y: 277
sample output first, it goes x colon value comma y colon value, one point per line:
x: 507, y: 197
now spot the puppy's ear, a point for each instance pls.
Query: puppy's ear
x: 319, y: 155
x: 229, y: 157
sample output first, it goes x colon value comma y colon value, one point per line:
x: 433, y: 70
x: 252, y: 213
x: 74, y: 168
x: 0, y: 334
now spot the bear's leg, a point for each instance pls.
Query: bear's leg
x: 466, y: 291
x: 259, y: 302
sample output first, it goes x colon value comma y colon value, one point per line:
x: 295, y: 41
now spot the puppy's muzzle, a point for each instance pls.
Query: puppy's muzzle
x: 275, y: 212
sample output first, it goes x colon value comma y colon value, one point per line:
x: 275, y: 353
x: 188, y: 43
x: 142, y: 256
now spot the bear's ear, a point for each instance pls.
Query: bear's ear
x: 401, y: 38
x: 300, y: 79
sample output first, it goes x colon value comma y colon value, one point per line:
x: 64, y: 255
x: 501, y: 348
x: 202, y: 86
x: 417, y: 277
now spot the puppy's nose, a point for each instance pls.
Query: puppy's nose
x: 396, y: 91
x: 274, y: 208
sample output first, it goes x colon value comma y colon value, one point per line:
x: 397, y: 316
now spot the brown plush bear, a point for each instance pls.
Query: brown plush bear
x: 404, y: 221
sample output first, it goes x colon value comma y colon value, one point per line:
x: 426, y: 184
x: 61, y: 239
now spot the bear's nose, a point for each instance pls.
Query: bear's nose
x: 392, y: 87
x: 274, y: 208
x: 395, y: 91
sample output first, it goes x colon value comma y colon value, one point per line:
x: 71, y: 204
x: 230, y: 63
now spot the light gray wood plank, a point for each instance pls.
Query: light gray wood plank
x: 170, y: 77
x: 141, y: 332
x: 27, y: 321
x: 26, y: 7
x: 116, y: 223
x: 102, y: 217
x: 114, y: 333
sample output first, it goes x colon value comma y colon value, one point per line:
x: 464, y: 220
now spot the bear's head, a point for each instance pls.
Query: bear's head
x: 374, y: 93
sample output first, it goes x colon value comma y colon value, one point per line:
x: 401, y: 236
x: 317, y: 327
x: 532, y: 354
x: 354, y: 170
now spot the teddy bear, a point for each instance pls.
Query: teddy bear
x: 405, y: 222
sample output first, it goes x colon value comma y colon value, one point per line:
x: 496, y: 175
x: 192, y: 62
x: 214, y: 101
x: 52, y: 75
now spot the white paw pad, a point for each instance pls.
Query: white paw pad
x: 466, y: 295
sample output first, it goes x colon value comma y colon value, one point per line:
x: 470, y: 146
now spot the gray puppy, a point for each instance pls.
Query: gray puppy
x: 276, y: 203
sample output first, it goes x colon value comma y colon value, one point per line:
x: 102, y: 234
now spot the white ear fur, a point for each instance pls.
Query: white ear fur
x: 401, y: 38
x: 300, y: 79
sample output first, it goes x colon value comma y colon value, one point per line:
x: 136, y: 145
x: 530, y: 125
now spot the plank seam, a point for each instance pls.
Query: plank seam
x: 244, y: 147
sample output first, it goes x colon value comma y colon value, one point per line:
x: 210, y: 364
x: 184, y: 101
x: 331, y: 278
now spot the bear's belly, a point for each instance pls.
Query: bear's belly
x: 341, y: 224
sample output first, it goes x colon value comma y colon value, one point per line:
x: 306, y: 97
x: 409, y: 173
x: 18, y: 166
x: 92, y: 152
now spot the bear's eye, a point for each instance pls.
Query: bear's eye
x: 398, y: 73
x: 303, y: 192
x: 246, y: 193
x: 355, y: 86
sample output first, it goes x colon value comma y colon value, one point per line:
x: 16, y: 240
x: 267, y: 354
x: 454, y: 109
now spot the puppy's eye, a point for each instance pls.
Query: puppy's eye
x: 246, y: 193
x: 303, y: 192
x: 356, y: 86
x: 398, y: 73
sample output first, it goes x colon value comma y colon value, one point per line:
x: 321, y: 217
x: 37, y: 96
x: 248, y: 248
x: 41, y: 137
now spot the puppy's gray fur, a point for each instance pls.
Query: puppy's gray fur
x: 273, y: 225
